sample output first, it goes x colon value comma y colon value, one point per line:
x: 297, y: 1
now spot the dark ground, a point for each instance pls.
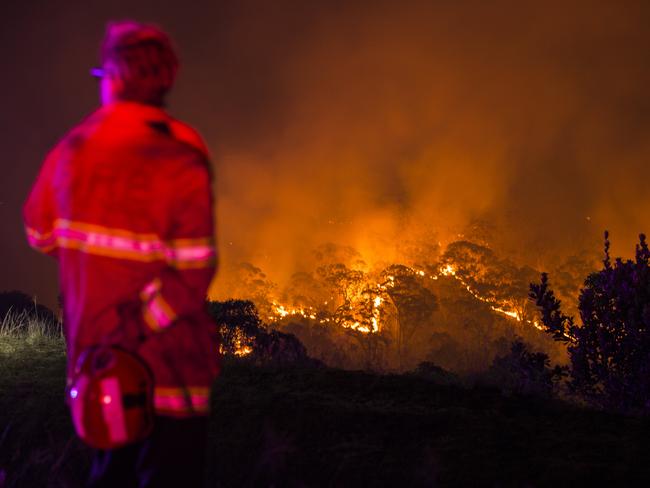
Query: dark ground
x: 308, y: 427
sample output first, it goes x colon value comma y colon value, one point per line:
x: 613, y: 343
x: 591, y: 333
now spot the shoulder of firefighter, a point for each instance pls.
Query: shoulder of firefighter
x: 124, y: 203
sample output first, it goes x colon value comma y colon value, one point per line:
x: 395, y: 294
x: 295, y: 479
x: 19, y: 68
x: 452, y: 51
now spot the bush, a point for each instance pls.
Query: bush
x: 610, y: 351
x: 244, y: 334
x: 525, y: 373
x: 239, y: 324
x: 438, y: 375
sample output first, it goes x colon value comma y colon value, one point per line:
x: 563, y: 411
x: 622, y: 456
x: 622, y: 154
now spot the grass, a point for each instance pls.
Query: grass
x: 37, y: 445
x: 338, y: 428
x: 280, y: 426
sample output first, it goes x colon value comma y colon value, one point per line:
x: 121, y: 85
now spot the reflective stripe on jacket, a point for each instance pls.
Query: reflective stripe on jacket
x: 124, y: 203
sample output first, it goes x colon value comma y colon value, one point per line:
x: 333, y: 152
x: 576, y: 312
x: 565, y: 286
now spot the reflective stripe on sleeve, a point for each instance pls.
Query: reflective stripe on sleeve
x: 42, y: 242
x: 182, y: 401
x: 157, y: 313
x: 123, y: 244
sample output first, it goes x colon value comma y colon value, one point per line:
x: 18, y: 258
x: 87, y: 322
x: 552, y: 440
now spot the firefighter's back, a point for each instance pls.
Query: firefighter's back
x: 114, y: 186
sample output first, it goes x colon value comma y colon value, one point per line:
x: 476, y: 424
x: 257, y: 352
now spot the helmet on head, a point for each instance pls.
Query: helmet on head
x: 142, y: 57
x: 111, y: 398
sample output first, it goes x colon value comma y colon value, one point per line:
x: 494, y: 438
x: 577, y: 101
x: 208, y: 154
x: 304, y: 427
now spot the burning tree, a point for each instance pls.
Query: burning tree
x: 358, y: 309
x: 332, y: 305
x: 414, y: 303
x: 610, y: 351
x: 353, y: 315
x: 497, y: 281
x: 344, y: 285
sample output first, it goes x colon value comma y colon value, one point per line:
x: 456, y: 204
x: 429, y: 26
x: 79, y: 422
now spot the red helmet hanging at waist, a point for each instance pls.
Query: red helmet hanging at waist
x: 111, y: 398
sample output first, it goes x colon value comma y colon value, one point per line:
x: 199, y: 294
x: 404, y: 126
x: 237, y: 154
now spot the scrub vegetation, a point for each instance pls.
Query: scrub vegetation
x: 37, y: 443
x: 279, y: 424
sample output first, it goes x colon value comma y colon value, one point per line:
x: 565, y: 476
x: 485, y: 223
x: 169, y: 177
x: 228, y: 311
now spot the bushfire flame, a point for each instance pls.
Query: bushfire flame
x: 280, y: 311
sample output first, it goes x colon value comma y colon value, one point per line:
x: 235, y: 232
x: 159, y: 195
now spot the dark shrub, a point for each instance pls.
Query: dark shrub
x: 610, y: 351
x: 524, y: 373
x: 244, y: 334
x: 239, y: 324
x: 430, y: 371
x: 280, y: 348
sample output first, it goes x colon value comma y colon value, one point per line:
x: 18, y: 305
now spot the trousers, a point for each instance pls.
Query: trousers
x: 172, y: 456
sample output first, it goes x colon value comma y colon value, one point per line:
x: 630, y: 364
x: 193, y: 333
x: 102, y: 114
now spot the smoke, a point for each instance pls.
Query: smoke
x: 369, y: 124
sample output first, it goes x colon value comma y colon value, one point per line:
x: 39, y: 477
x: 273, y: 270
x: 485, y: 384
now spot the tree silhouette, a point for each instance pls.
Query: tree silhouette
x: 524, y: 372
x: 243, y: 333
x: 238, y: 322
x: 610, y: 351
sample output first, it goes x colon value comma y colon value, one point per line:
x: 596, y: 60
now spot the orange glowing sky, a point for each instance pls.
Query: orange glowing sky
x: 365, y: 122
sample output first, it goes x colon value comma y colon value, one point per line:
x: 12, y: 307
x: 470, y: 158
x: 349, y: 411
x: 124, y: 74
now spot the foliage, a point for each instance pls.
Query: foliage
x: 456, y: 310
x: 358, y: 315
x: 238, y: 322
x: 524, y: 372
x: 373, y: 348
x: 244, y: 334
x: 325, y: 342
x: 610, y: 351
x: 343, y: 285
x: 413, y: 301
x: 499, y: 281
x: 394, y: 316
x: 279, y: 348
x: 438, y: 375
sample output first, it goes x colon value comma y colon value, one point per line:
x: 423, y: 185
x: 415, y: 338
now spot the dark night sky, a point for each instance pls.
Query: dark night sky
x: 362, y: 122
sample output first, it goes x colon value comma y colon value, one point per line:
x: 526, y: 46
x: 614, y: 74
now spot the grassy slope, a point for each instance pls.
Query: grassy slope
x: 292, y: 427
x: 36, y: 439
x: 349, y: 428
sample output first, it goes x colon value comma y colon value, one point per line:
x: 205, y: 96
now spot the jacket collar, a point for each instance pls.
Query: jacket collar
x: 135, y: 110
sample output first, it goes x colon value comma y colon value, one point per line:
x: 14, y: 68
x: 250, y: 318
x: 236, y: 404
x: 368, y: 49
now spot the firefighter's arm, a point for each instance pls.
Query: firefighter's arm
x: 181, y: 287
x: 39, y: 209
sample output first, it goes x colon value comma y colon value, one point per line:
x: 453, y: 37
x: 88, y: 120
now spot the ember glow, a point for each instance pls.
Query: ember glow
x: 281, y: 311
x: 241, y: 347
x: 395, y: 314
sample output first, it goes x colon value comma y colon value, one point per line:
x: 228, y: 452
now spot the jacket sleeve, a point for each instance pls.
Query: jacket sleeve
x: 181, y: 287
x: 39, y: 209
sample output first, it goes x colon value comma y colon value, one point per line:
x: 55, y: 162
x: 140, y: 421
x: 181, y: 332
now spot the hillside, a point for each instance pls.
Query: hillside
x: 326, y: 427
x: 463, y: 333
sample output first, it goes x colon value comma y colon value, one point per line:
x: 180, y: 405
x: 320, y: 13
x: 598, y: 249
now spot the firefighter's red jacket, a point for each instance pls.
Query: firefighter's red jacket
x: 124, y: 203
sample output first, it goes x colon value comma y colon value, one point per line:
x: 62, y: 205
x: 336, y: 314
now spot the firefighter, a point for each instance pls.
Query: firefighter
x: 124, y: 204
